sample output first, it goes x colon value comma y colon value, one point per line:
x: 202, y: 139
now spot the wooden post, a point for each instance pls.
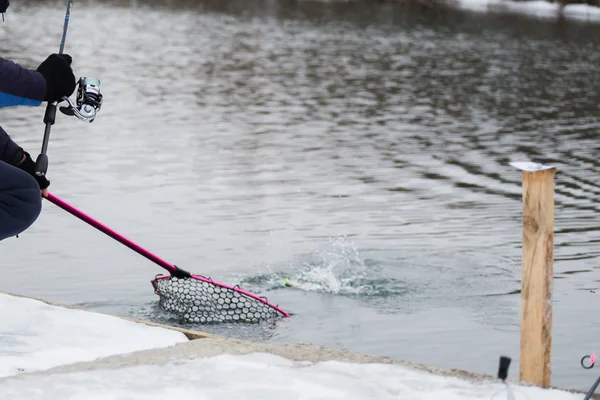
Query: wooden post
x: 537, y: 273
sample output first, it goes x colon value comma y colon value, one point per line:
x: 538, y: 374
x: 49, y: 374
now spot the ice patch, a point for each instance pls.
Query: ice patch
x: 36, y: 336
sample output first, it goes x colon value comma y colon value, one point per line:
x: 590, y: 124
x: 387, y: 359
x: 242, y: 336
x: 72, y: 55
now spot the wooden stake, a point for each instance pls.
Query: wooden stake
x: 537, y: 270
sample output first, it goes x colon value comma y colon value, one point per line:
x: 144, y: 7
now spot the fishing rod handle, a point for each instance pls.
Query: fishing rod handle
x: 41, y: 165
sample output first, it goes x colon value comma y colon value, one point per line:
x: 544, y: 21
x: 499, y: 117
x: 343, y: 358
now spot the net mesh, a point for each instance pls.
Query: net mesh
x: 201, y: 302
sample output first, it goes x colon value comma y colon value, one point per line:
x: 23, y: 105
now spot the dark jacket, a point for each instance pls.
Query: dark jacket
x: 19, y: 86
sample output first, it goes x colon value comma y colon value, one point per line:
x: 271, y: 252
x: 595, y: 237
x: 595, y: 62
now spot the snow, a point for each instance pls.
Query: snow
x: 582, y: 11
x: 261, y: 376
x: 537, y: 8
x: 35, y: 335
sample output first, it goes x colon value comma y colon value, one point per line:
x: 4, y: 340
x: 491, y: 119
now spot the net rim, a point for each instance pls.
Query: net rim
x: 224, y: 285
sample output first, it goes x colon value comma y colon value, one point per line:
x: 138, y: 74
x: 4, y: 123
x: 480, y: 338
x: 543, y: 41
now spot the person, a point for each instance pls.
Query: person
x: 21, y: 189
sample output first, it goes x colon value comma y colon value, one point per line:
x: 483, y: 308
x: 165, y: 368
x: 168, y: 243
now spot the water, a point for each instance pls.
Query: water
x: 362, y: 151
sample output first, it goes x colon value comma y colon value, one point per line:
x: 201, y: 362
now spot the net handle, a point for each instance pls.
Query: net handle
x: 174, y: 270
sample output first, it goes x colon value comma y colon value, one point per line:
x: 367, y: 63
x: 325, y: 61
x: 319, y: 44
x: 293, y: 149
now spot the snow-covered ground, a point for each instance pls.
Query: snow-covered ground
x: 537, y: 8
x: 35, y: 337
x: 260, y: 376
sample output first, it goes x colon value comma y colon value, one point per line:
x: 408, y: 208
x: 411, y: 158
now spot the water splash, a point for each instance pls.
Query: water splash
x: 337, y: 268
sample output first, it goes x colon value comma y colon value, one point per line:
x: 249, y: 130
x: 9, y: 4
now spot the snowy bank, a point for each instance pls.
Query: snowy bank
x: 535, y: 8
x: 36, y: 336
x: 219, y: 368
x: 51, y: 352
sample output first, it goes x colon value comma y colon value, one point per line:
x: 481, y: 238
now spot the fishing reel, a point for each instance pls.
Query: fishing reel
x: 88, y: 101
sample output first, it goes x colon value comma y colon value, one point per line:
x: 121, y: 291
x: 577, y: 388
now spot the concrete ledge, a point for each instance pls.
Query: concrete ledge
x: 210, y: 347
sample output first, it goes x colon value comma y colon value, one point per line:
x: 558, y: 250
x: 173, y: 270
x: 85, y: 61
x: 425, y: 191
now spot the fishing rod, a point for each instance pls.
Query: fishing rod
x: 65, y: 27
x: 86, y: 105
x: 589, y: 362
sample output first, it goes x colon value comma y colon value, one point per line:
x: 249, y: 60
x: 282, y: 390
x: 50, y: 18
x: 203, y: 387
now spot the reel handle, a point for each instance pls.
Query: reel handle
x: 67, y: 111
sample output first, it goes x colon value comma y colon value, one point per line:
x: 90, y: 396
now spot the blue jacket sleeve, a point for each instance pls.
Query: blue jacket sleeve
x: 20, y: 86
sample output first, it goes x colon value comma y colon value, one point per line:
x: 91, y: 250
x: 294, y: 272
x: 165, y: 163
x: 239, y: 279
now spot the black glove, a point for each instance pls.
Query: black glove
x: 28, y: 165
x: 4, y: 5
x: 60, y: 80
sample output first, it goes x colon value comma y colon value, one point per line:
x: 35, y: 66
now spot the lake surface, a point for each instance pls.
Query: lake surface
x: 362, y: 151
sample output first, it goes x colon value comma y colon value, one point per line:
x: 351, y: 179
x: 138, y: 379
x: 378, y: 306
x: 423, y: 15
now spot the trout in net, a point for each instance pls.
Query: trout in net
x: 201, y: 300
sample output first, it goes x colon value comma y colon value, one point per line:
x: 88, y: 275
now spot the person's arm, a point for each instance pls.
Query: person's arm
x: 10, y: 152
x: 3, y: 6
x: 20, y: 86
